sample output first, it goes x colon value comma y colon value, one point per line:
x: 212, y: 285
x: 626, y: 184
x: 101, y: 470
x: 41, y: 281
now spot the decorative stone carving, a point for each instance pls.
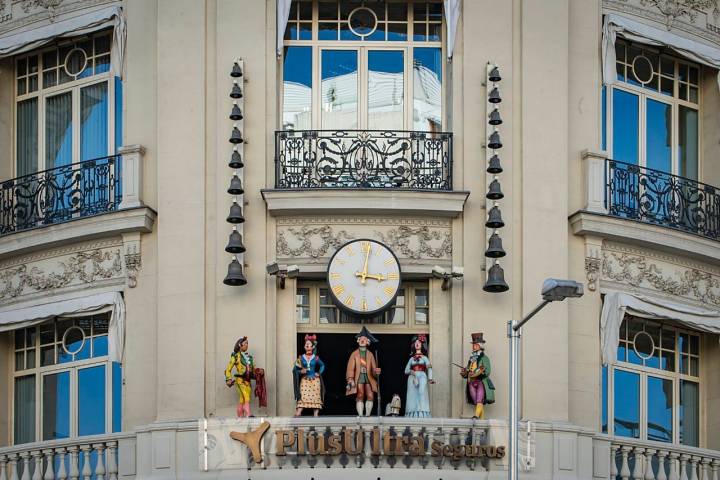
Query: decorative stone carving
x: 132, y: 257
x: 415, y: 242
x: 49, y: 5
x: 641, y: 271
x: 314, y: 242
x: 673, y: 9
x: 592, y: 270
x: 82, y: 267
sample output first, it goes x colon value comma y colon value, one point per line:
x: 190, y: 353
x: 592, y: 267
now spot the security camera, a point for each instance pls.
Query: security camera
x: 458, y: 272
x: 439, y: 272
x: 293, y: 271
x: 272, y: 268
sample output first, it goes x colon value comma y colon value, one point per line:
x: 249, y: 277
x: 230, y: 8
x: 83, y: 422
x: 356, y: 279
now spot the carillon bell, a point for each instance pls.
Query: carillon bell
x: 494, y: 191
x: 235, y: 243
x: 494, y: 166
x: 236, y: 113
x: 235, y: 276
x: 235, y: 187
x: 494, y: 75
x: 496, y: 280
x: 495, y: 248
x: 494, y: 96
x: 235, y: 215
x: 495, y: 118
x: 236, y: 136
x: 236, y: 71
x: 494, y: 218
x: 236, y: 160
x: 236, y: 91
x: 493, y: 143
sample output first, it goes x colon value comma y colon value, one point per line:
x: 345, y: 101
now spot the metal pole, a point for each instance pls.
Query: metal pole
x: 514, y: 385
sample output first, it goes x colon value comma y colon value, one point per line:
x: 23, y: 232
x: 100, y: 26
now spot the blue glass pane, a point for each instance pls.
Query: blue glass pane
x: 100, y: 346
x: 626, y: 402
x: 297, y: 88
x: 84, y: 352
x: 427, y: 78
x: 689, y: 413
x: 634, y: 357
x: 56, y: 406
x: 339, y: 89
x: 658, y: 119
x: 604, y: 414
x: 688, y: 143
x: 659, y: 409
x: 118, y: 113
x: 94, y: 121
x: 58, y: 130
x: 603, y: 141
x: 622, y: 352
x: 386, y: 84
x: 626, y: 121
x: 91, y: 400
x: 116, y: 397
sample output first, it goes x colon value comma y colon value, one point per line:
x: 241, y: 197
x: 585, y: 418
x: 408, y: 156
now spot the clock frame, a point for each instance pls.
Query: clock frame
x: 340, y: 303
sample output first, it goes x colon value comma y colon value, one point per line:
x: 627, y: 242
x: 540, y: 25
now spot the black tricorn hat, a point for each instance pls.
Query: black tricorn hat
x: 366, y: 333
x: 477, y: 338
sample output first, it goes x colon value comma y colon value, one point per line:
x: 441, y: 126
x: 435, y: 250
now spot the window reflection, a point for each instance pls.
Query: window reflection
x: 627, y: 404
x: 91, y: 400
x: 56, y: 406
x: 689, y: 413
x: 659, y: 408
x: 297, y: 88
x: 339, y: 89
x: 386, y: 89
x: 658, y: 118
x: 427, y: 81
x: 625, y: 126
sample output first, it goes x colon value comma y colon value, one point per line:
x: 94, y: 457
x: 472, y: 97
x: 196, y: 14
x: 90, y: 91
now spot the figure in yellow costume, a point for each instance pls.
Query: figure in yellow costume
x: 245, y: 372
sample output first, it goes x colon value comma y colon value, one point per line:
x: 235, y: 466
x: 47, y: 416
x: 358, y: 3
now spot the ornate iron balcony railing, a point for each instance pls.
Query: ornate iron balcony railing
x: 363, y: 159
x: 657, y: 197
x: 60, y: 194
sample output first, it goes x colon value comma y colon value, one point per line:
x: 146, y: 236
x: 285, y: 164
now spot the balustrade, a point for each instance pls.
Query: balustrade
x: 635, y: 460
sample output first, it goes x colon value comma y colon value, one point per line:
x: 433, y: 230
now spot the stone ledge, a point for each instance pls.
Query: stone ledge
x: 371, y: 201
x: 110, y: 224
x: 646, y: 235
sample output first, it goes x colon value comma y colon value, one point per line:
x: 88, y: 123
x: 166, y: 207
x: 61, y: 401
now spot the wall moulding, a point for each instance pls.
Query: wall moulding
x: 16, y: 14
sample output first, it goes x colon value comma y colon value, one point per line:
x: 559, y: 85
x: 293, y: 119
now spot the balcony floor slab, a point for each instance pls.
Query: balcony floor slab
x: 368, y: 201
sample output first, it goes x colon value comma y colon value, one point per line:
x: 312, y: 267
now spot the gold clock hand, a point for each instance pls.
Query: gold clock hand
x: 364, y: 272
x: 379, y: 277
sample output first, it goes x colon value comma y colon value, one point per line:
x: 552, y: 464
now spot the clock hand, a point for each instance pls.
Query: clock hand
x: 364, y: 272
x: 379, y: 278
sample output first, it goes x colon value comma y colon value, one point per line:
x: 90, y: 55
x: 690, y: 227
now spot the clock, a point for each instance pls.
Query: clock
x: 364, y: 277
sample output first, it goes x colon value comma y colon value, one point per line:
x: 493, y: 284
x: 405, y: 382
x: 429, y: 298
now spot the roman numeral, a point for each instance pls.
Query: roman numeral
x: 335, y: 275
x: 338, y: 290
x: 388, y: 291
x: 365, y: 246
x: 350, y: 250
x: 393, y: 276
x: 363, y: 306
x: 378, y: 301
x: 349, y: 300
x: 389, y: 261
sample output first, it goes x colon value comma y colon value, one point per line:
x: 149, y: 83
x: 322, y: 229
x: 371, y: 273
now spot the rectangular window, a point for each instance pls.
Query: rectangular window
x: 297, y: 88
x: 339, y: 89
x: 79, y: 390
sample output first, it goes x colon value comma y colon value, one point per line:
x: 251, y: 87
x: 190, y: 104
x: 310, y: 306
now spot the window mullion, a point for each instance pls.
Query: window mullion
x: 75, y: 115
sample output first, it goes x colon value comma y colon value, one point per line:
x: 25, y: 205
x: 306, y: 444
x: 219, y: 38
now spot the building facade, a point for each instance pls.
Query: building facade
x: 179, y: 174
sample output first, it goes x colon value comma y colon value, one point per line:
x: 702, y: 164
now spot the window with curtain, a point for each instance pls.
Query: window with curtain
x: 67, y: 104
x: 375, y: 65
x: 64, y: 384
x: 652, y: 392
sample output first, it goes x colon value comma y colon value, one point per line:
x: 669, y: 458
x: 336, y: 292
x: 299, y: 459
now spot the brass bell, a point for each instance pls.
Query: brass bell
x: 236, y: 91
x: 493, y: 143
x: 236, y: 136
x: 494, y: 166
x: 236, y: 113
x: 236, y: 160
x: 236, y: 71
x: 496, y: 280
x: 494, y: 96
x: 235, y: 276
x: 494, y: 192
x: 494, y: 219
x: 495, y: 118
x: 235, y: 187
x: 495, y: 248
x: 235, y: 244
x: 235, y: 215
x: 494, y: 75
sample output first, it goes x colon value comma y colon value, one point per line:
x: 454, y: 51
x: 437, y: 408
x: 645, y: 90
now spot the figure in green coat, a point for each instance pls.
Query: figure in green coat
x: 480, y: 389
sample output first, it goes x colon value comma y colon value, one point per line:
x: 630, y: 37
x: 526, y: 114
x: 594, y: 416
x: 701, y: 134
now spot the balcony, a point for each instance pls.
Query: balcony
x: 646, y: 207
x: 80, y: 201
x: 408, y: 172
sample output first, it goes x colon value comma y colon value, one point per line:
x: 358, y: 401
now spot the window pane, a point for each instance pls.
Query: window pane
x: 56, y: 406
x: 328, y: 315
x: 116, y: 397
x: 688, y: 143
x: 625, y: 126
x: 100, y: 346
x: 58, y: 130
x: 427, y: 82
x: 24, y: 430
x: 20, y: 360
x: 386, y: 89
x: 689, y: 413
x: 627, y: 404
x: 659, y: 136
x: 302, y: 314
x: 339, y: 89
x: 19, y: 338
x: 47, y: 355
x: 27, y: 137
x: 94, y: 121
x: 604, y: 414
x: 91, y: 400
x: 660, y: 409
x: 396, y: 316
x: 297, y: 88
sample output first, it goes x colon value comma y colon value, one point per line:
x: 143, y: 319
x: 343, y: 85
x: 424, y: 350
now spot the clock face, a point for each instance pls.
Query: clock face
x: 364, y: 277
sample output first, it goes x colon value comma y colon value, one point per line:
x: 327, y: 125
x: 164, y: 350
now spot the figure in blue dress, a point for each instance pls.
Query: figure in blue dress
x: 419, y: 372
x: 307, y: 378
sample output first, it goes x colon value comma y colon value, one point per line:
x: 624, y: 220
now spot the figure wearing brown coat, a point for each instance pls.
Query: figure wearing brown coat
x: 353, y: 371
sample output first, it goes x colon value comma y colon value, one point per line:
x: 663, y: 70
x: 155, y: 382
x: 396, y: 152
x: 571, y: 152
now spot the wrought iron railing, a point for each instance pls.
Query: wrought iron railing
x: 363, y: 159
x: 657, y: 197
x: 60, y: 194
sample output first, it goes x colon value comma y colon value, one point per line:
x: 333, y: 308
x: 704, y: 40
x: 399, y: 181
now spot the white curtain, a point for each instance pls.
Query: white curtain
x: 635, y: 31
x: 70, y: 27
x: 452, y: 15
x: 89, y: 305
x: 617, y: 304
